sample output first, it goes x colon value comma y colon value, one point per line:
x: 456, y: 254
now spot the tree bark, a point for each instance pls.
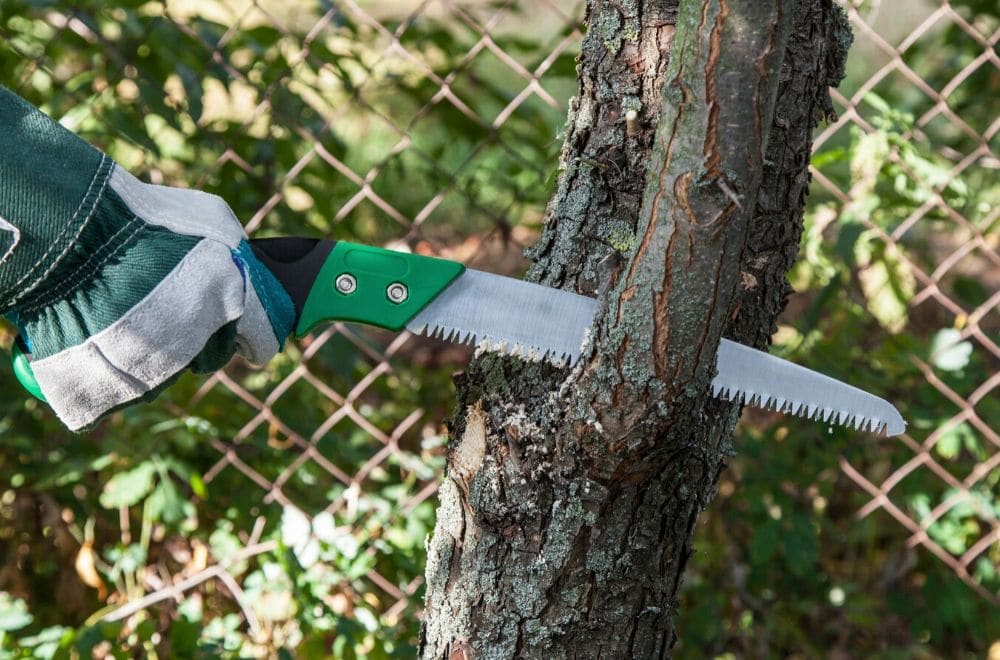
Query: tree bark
x: 570, y: 500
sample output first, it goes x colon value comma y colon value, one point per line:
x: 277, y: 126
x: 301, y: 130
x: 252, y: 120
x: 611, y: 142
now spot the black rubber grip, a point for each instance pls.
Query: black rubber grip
x: 295, y: 261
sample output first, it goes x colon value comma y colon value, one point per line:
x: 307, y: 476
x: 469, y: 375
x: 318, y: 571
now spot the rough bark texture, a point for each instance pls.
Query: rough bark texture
x: 567, y: 513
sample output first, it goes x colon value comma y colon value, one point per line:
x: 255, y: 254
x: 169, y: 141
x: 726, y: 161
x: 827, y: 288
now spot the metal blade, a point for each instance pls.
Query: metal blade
x: 757, y: 379
x: 536, y: 322
x: 516, y: 317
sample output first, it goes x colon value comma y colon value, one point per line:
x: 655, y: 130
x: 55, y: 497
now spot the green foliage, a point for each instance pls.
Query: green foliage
x: 346, y: 138
x: 195, y: 94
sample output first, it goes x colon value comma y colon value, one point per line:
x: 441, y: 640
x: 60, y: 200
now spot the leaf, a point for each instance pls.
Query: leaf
x: 47, y: 641
x: 90, y: 637
x: 86, y: 569
x: 365, y: 617
x: 888, y: 285
x: 166, y: 503
x: 829, y: 156
x: 986, y: 571
x: 325, y: 527
x: 948, y: 351
x: 948, y: 445
x: 877, y: 102
x: 197, y: 485
x: 308, y: 553
x: 347, y: 545
x: 847, y: 237
x: 870, y: 152
x: 129, y: 487
x: 952, y: 440
x: 13, y: 613
x: 193, y: 91
x: 295, y: 528
x: 951, y: 535
x: 184, y: 635
x: 224, y: 544
x: 921, y: 505
x: 125, y: 559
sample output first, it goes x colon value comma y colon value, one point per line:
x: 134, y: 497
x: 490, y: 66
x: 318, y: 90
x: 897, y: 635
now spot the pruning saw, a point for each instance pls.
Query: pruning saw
x: 340, y: 281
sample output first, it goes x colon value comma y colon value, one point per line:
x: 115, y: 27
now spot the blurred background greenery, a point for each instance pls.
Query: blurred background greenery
x: 282, y: 512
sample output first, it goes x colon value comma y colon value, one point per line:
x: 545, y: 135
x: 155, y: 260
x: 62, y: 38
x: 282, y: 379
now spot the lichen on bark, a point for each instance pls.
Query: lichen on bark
x: 571, y: 536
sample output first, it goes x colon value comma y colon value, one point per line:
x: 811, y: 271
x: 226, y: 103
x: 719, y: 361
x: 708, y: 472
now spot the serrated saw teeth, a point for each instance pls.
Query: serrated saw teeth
x: 504, y: 315
x: 490, y: 345
x: 754, y: 377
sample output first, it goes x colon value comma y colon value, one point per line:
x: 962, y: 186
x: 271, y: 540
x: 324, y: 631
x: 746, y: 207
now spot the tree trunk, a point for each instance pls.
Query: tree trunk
x: 568, y: 508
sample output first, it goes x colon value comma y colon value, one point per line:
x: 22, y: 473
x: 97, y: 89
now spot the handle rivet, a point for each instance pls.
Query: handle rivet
x: 346, y: 283
x: 397, y: 292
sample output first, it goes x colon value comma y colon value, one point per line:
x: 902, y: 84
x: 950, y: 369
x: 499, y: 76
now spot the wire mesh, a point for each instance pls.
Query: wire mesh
x: 387, y: 74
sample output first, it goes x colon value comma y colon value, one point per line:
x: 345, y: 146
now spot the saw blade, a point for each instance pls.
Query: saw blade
x: 508, y: 315
x: 761, y: 380
x: 536, y: 322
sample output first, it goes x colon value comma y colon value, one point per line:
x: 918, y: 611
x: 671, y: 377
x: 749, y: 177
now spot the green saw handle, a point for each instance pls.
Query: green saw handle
x: 340, y: 281
x: 374, y: 286
x: 332, y: 281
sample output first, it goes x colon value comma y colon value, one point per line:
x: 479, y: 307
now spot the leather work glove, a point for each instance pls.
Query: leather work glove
x: 116, y: 285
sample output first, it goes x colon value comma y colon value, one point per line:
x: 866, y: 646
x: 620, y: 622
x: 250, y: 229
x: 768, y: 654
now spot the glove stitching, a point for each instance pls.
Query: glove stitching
x: 88, y: 267
x: 6, y: 226
x: 79, y: 276
x: 34, y: 283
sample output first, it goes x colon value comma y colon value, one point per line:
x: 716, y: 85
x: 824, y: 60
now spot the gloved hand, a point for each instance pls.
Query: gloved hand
x: 117, y: 285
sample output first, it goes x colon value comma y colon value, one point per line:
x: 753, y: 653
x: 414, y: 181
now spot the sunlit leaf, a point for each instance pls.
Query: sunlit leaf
x: 14, y: 613
x: 951, y: 441
x: 948, y: 351
x: 325, y: 527
x: 888, y: 284
x: 295, y: 527
x: 870, y: 153
x: 166, y: 503
x: 129, y: 487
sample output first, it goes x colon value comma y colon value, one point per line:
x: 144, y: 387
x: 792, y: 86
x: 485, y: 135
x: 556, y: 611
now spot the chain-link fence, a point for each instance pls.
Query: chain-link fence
x: 432, y: 125
x: 943, y: 96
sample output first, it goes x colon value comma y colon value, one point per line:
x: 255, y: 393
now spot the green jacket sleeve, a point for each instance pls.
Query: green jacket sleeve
x: 38, y: 230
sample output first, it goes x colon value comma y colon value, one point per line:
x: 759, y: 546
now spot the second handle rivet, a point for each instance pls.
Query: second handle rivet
x: 397, y: 292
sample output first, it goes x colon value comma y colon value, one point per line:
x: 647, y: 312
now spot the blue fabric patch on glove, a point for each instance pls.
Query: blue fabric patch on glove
x: 277, y: 303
